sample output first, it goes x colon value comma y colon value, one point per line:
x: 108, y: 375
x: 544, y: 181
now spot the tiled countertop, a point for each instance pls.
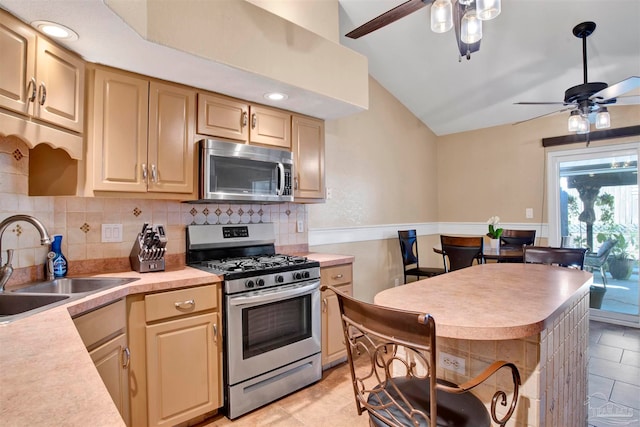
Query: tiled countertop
x: 46, y: 375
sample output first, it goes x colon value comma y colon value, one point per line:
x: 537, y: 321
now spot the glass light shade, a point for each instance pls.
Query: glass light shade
x: 603, y: 119
x: 441, y: 16
x: 583, y: 125
x: 465, y: 2
x: 470, y: 27
x: 574, y: 120
x: 488, y: 9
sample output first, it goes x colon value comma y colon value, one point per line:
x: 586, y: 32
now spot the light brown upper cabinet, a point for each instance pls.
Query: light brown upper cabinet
x: 39, y: 79
x: 141, y: 134
x: 237, y: 120
x: 308, y: 158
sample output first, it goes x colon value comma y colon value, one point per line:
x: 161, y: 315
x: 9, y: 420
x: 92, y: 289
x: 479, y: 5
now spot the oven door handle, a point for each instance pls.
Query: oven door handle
x: 240, y: 301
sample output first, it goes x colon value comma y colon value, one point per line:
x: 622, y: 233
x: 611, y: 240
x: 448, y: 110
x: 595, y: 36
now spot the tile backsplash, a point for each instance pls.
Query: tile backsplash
x: 80, y: 219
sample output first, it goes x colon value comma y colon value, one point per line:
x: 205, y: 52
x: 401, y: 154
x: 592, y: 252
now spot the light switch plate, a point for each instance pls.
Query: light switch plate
x: 300, y: 226
x: 111, y: 233
x: 529, y: 213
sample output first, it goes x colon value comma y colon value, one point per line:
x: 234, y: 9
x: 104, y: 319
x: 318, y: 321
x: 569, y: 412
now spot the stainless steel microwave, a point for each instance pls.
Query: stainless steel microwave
x: 241, y: 172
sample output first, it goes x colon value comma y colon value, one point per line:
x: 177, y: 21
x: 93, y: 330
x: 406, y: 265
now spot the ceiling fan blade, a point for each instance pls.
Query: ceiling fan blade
x: 547, y: 114
x: 617, y: 89
x: 539, y: 103
x: 388, y: 17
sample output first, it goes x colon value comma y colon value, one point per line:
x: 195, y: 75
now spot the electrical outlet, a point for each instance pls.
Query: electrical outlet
x: 528, y: 213
x: 300, y: 226
x: 396, y: 282
x: 111, y: 233
x: 452, y: 363
x: 329, y: 193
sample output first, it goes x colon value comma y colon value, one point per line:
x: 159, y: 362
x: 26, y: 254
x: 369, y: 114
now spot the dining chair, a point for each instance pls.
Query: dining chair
x: 564, y: 257
x: 599, y: 259
x: 461, y: 251
x: 392, y: 360
x: 517, y: 238
x: 409, y: 251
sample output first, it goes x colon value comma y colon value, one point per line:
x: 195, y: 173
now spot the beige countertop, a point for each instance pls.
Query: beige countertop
x: 495, y: 301
x: 46, y: 375
x: 328, y: 260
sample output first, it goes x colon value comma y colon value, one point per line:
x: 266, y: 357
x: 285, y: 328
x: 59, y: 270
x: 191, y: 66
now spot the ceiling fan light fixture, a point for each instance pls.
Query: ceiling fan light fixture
x: 465, y: 2
x: 583, y: 125
x: 574, y: 120
x: 603, y: 119
x: 441, y: 16
x: 488, y: 9
x: 470, y: 27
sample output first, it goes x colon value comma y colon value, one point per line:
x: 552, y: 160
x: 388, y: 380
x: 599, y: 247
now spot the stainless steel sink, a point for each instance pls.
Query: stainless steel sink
x: 12, y: 304
x: 75, y: 285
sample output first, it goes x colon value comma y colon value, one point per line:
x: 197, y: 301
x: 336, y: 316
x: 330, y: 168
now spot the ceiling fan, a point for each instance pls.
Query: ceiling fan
x: 465, y: 16
x: 589, y: 97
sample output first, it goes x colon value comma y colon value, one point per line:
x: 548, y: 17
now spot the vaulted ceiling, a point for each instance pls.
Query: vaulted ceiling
x: 528, y: 53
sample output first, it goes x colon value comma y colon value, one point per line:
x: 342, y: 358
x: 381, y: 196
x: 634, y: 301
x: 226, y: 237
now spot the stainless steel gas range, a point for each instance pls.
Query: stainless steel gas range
x: 271, y: 312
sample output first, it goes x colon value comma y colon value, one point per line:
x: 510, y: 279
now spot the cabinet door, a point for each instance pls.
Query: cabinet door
x: 308, y: 155
x: 112, y: 361
x: 270, y: 127
x: 183, y: 369
x: 118, y: 135
x: 60, y: 77
x: 17, y: 55
x: 223, y: 117
x: 171, y: 138
x: 333, y: 346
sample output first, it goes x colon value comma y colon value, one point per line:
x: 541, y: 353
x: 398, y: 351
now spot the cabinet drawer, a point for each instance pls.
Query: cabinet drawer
x: 336, y: 275
x: 102, y: 323
x: 180, y: 302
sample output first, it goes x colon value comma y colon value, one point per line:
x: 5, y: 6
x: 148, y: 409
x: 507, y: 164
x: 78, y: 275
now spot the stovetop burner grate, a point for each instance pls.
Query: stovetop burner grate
x: 255, y: 263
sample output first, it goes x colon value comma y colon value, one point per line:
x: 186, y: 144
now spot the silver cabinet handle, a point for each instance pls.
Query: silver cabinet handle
x: 32, y: 84
x: 184, y: 304
x: 245, y: 116
x: 154, y: 173
x: 295, y: 183
x: 215, y: 333
x: 254, y: 121
x: 324, y: 305
x: 42, y: 93
x: 338, y: 276
x: 144, y: 171
x: 126, y: 357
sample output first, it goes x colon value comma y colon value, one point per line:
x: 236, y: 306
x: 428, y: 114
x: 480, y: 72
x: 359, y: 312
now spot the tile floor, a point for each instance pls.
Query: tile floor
x: 614, y: 390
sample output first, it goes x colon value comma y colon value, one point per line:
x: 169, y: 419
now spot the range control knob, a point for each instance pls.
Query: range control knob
x: 297, y: 275
x: 306, y: 274
x: 279, y: 279
x: 249, y: 283
x: 260, y: 282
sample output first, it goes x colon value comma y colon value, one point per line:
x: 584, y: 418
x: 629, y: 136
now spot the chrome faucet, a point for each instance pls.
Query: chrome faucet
x: 7, y: 269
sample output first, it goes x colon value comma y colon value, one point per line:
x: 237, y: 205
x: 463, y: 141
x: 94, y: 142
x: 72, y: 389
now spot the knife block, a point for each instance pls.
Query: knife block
x: 143, y: 259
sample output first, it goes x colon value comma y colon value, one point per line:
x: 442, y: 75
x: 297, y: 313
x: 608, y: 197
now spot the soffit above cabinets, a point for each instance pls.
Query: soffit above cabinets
x: 229, y: 47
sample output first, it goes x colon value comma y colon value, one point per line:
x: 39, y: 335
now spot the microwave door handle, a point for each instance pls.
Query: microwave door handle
x: 281, y: 174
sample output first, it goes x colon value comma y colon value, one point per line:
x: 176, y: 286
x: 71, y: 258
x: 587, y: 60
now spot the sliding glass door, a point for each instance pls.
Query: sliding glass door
x: 593, y: 203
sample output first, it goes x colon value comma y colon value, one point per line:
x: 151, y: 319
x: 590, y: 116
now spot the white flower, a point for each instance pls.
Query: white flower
x: 494, y: 220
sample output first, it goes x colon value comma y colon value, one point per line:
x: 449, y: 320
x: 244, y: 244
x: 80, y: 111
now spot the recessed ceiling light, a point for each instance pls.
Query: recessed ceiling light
x: 54, y: 30
x: 276, y: 96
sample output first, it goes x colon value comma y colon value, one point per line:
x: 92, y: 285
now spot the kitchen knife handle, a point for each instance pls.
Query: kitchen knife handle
x: 144, y: 171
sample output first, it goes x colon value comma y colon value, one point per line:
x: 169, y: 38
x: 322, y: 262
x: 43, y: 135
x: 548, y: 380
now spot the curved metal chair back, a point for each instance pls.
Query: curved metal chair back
x: 392, y: 359
x: 599, y: 259
x: 517, y: 238
x: 461, y: 251
x: 564, y: 257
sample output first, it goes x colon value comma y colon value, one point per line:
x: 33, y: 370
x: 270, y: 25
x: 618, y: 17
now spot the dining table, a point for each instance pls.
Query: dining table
x: 500, y: 254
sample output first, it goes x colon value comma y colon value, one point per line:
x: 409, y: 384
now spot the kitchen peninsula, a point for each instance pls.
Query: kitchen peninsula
x: 535, y: 316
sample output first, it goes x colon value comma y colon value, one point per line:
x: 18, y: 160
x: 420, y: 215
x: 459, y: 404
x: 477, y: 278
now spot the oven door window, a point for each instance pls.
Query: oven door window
x: 242, y: 176
x: 269, y: 326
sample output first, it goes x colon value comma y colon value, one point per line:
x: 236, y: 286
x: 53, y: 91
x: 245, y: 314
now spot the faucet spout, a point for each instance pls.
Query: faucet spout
x: 6, y: 270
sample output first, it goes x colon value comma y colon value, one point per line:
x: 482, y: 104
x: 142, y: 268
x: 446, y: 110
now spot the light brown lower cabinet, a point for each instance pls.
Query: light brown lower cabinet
x: 176, y: 355
x: 333, y: 346
x: 103, y: 332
